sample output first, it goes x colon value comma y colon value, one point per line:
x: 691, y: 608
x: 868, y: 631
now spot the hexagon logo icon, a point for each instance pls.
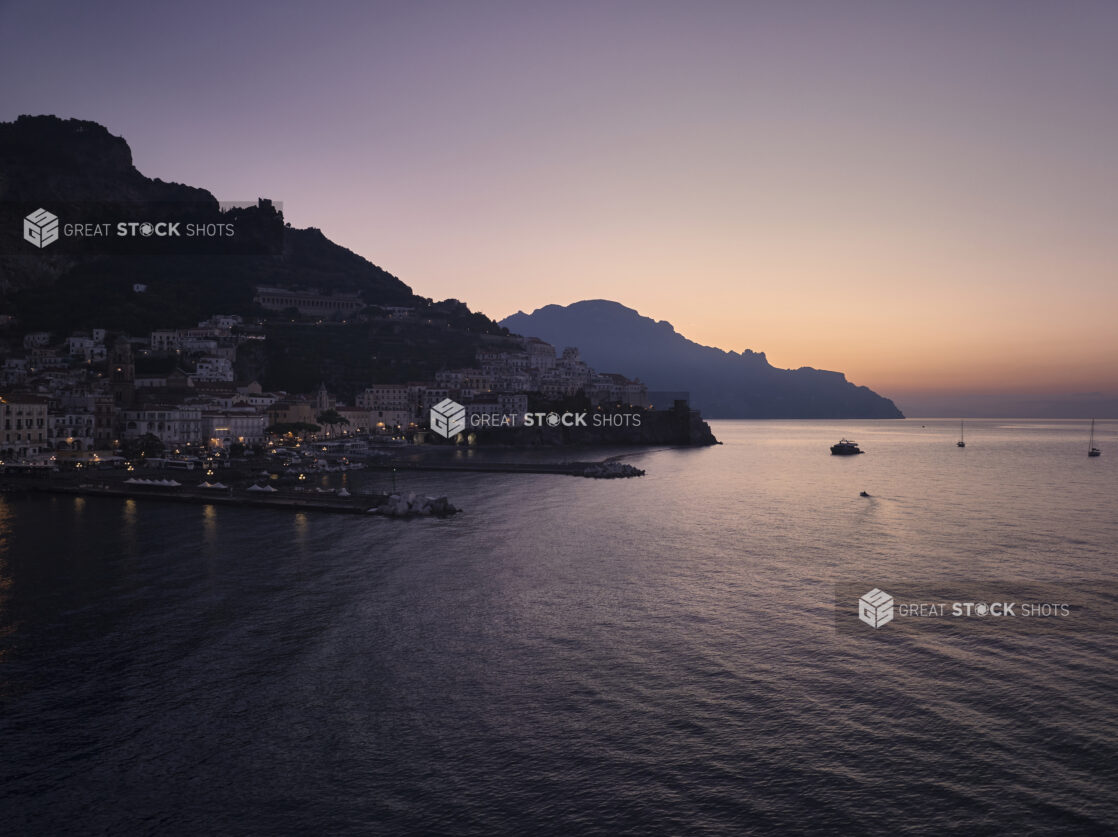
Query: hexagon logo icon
x: 40, y: 228
x: 448, y: 418
x: 875, y: 608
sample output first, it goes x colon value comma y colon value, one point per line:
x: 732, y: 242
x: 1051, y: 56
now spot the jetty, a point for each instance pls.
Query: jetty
x: 286, y: 489
x: 254, y: 496
x: 593, y: 470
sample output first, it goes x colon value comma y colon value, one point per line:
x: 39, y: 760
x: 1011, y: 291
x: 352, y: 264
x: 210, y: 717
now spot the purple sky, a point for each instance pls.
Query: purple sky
x: 923, y: 195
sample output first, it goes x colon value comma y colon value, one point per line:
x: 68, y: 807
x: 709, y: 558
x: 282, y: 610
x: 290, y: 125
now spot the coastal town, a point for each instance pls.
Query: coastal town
x: 96, y: 396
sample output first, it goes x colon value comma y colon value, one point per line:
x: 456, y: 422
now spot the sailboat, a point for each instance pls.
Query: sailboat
x: 962, y: 443
x: 1091, y: 449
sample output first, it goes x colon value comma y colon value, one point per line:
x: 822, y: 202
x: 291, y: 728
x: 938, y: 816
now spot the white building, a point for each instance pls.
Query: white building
x: 36, y: 339
x: 88, y: 349
x: 513, y: 403
x: 387, y: 420
x: 385, y: 397
x: 71, y: 431
x: 229, y: 427
x: 23, y: 426
x: 164, y: 341
x: 308, y: 302
x: 171, y: 425
x: 80, y: 345
x: 541, y: 355
x: 430, y: 396
x: 198, y: 345
x: 213, y: 369
x: 608, y: 388
x: 253, y: 395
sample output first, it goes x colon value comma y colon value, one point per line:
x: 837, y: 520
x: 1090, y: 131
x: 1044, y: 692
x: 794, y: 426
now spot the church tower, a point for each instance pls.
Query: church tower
x: 122, y: 374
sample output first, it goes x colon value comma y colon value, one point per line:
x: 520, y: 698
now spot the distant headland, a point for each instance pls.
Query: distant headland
x: 721, y: 384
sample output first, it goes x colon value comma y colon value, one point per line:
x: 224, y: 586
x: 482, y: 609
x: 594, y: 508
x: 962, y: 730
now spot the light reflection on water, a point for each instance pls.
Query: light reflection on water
x: 209, y: 528
x: 301, y: 525
x: 6, y: 515
x: 630, y: 656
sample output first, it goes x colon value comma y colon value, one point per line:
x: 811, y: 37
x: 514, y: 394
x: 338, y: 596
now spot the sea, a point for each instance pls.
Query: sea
x: 672, y: 654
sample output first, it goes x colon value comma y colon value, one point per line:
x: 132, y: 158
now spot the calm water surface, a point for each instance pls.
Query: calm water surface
x: 652, y: 656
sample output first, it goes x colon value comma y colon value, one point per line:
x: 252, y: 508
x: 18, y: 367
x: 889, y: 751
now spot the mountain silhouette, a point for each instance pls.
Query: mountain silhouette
x: 66, y: 164
x: 722, y: 384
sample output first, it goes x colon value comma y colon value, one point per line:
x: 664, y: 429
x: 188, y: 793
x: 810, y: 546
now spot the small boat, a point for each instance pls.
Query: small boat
x: 864, y: 494
x: 962, y: 443
x: 1091, y: 449
x: 845, y: 447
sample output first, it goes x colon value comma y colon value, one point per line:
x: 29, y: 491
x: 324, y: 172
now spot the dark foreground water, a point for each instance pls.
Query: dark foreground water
x: 653, y: 656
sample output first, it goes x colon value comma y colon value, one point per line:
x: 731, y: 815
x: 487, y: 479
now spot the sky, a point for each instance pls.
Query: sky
x: 921, y: 195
